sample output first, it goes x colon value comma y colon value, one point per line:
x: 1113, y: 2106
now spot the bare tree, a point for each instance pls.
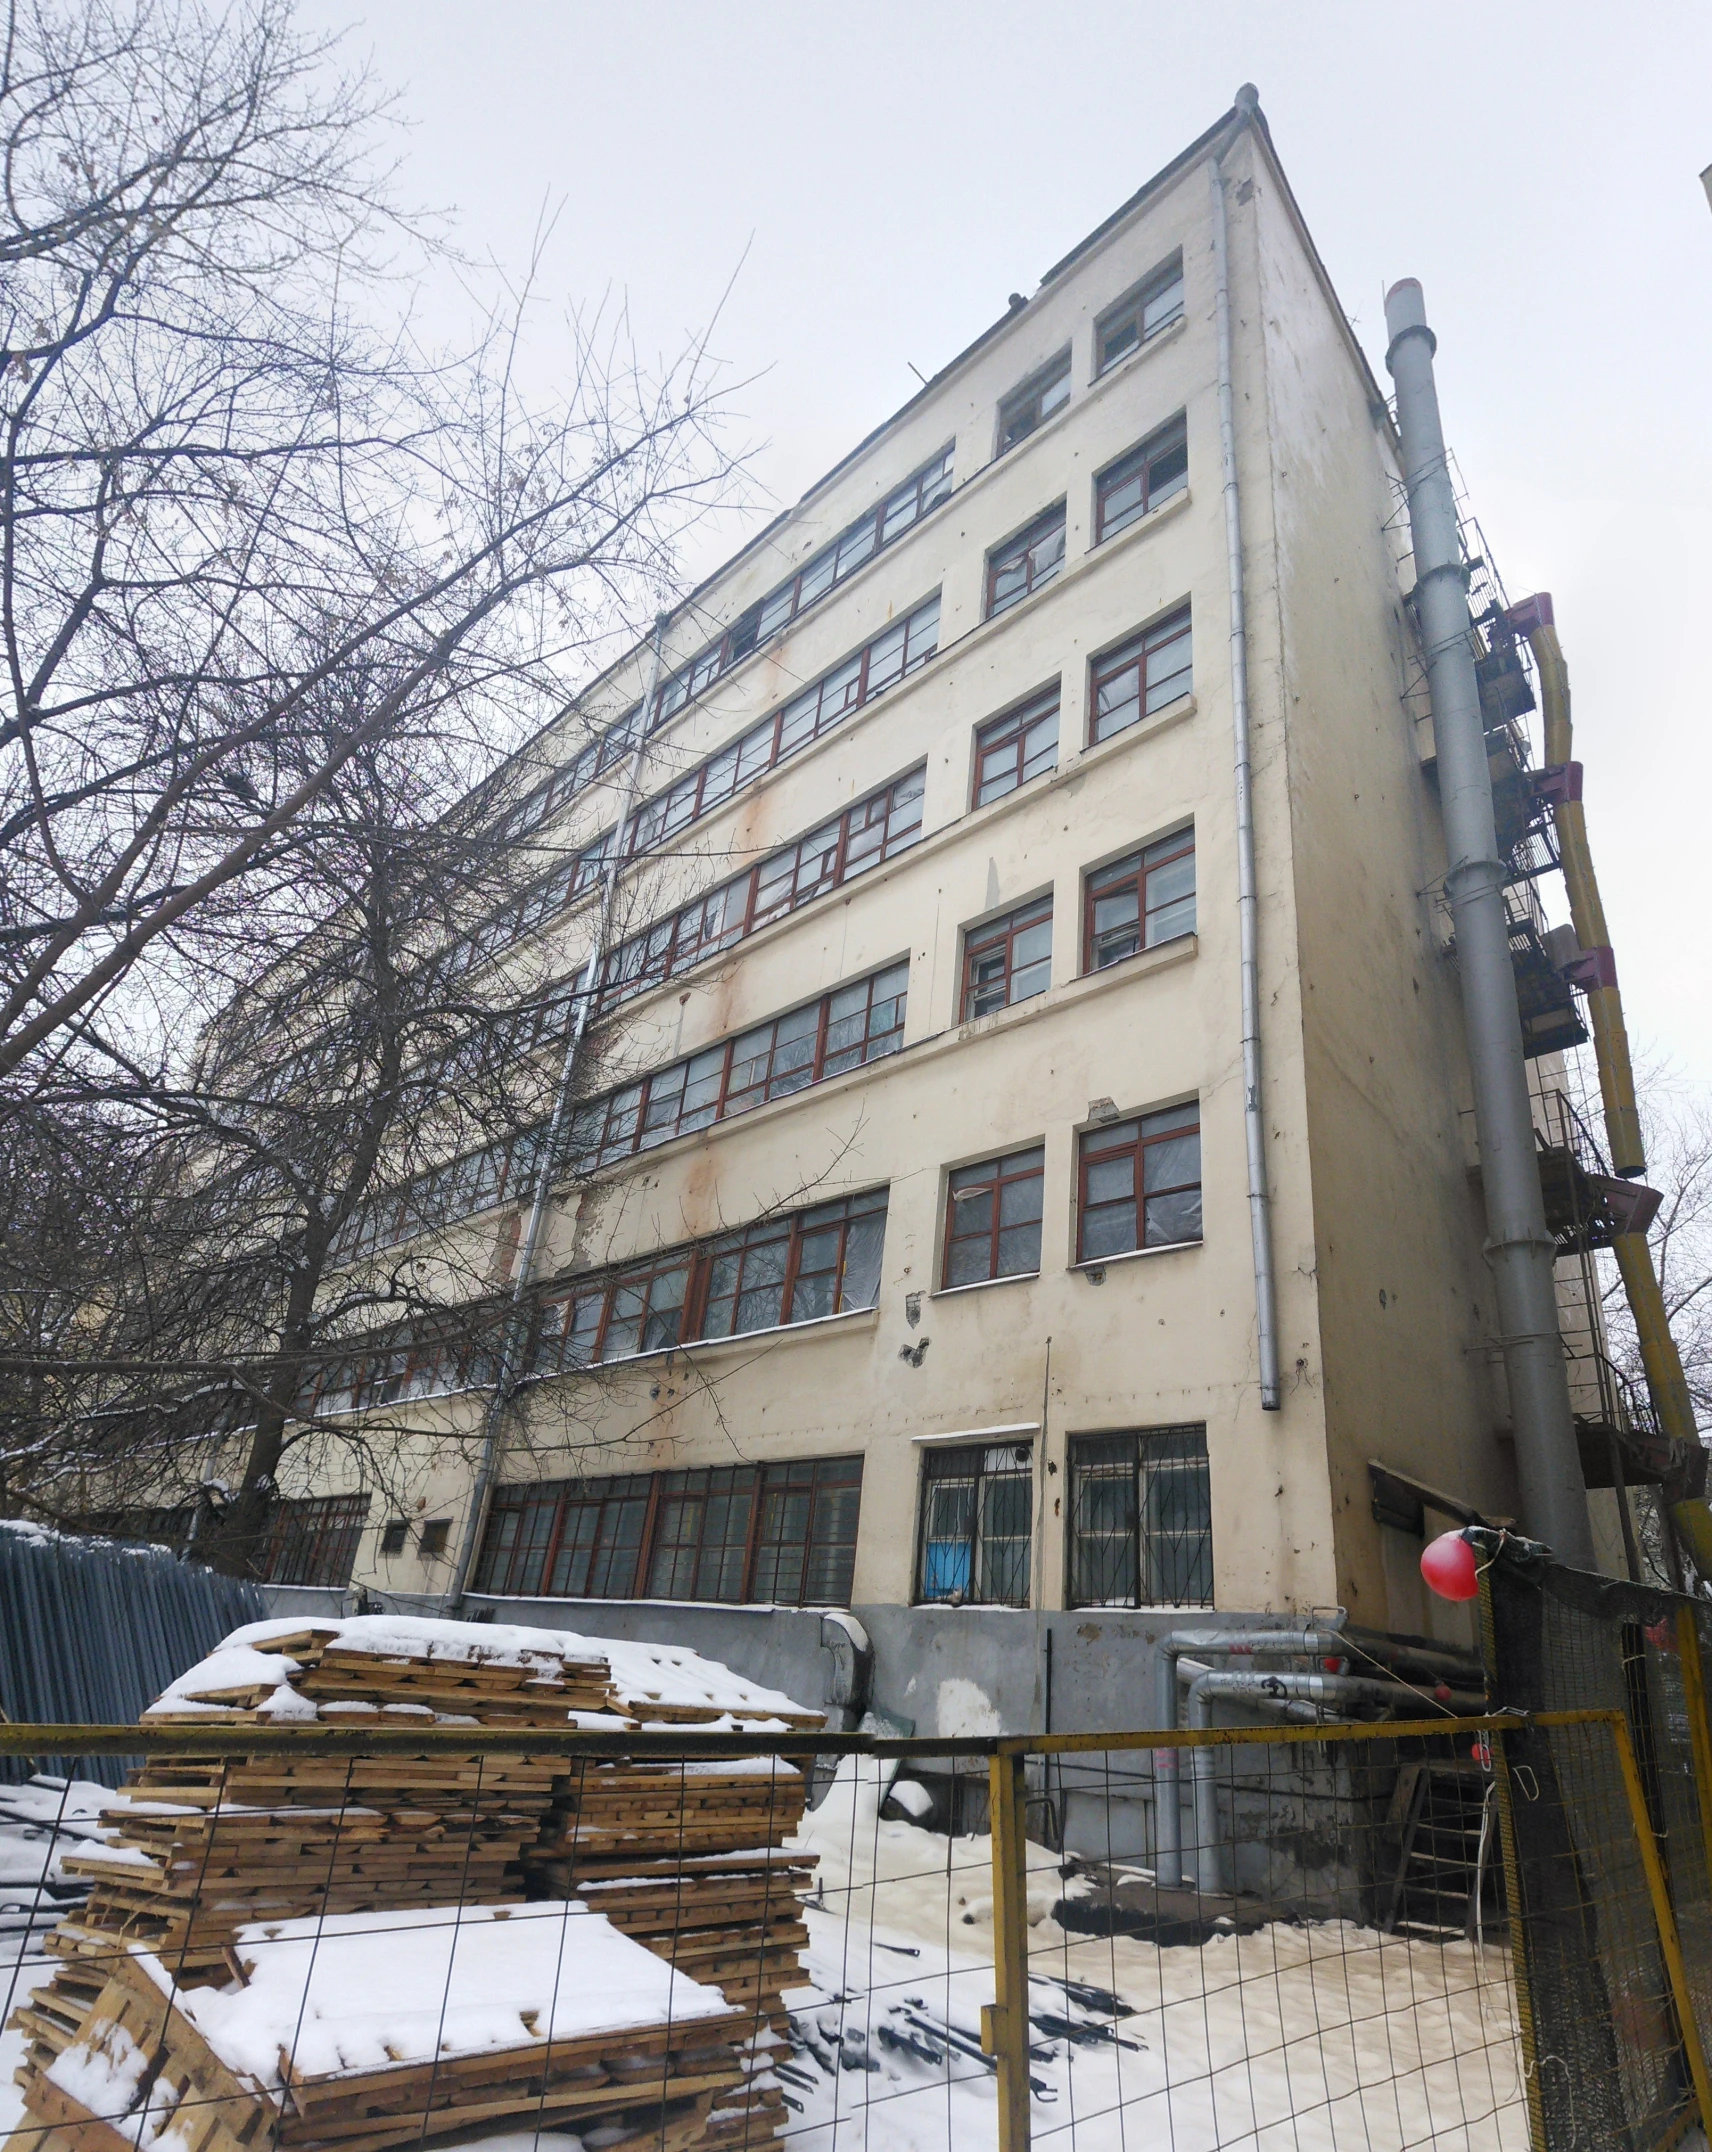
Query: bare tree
x: 224, y: 490
x: 1678, y: 1123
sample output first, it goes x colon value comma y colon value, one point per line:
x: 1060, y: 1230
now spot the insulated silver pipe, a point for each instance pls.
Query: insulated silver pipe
x: 517, y: 1329
x: 1518, y: 1247
x: 1167, y: 1762
x: 1247, y: 902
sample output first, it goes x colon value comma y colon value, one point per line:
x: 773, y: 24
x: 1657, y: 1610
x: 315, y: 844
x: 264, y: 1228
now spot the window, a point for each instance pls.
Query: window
x: 1141, y: 1527
x: 783, y: 1534
x: 1140, y: 901
x: 1127, y: 489
x: 824, y: 1261
x: 500, y: 1172
x: 977, y: 1515
x: 877, y: 828
x: 1012, y: 749
x: 843, y: 1030
x: 1130, y: 323
x: 992, y: 1218
x: 394, y: 1535
x: 314, y: 1540
x: 1141, y: 1184
x: 1142, y: 675
x: 1007, y: 960
x: 1034, y: 403
x: 1026, y: 562
x: 435, y: 1534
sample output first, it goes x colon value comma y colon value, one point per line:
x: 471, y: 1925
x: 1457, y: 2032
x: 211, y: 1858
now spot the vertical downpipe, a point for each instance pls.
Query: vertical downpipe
x: 1253, y: 1116
x: 1518, y: 1247
x: 516, y: 1336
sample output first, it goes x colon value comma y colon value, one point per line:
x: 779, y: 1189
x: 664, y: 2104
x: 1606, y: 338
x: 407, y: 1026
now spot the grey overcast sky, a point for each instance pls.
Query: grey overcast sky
x: 891, y: 172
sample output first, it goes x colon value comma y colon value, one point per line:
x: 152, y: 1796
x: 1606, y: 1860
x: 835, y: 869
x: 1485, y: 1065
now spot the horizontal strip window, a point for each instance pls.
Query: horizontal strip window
x: 1012, y: 750
x: 1141, y: 676
x: 977, y: 1517
x: 498, y: 1173
x: 1139, y: 902
x: 1140, y: 1184
x: 1026, y: 562
x: 395, y: 1369
x: 778, y: 1534
x: 843, y: 1030
x: 877, y: 828
x: 1126, y: 490
x: 1141, y: 1519
x: 1009, y: 959
x: 904, y: 647
x: 776, y: 1272
x: 1134, y: 320
x: 992, y: 1218
x: 902, y: 509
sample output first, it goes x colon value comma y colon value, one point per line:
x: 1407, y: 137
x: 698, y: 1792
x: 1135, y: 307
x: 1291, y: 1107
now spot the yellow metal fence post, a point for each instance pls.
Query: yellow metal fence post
x: 1699, y: 1726
x: 1004, y: 2024
x: 1669, y: 1941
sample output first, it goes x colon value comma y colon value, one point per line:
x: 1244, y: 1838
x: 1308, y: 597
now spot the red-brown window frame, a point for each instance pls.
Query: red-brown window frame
x: 1172, y: 435
x: 1010, y: 729
x: 1088, y: 1152
x: 997, y: 1184
x: 1026, y: 397
x: 1135, y: 306
x: 1054, y: 522
x: 981, y: 941
x: 1139, y: 868
x: 1136, y: 649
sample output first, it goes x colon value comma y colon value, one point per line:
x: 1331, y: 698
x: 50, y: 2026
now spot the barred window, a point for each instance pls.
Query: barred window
x: 1140, y: 901
x: 977, y: 1515
x: 1030, y: 406
x: 783, y: 1534
x: 814, y: 1263
x: 1141, y: 1530
x: 1009, y: 959
x: 874, y: 829
x: 1013, y: 749
x: 1148, y: 475
x: 313, y: 1540
x: 1142, y: 675
x: 992, y: 1218
x: 1129, y: 324
x: 1141, y: 1184
x: 1022, y: 564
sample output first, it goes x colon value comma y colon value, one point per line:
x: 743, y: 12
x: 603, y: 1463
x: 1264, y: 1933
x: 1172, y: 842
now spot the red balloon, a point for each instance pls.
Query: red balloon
x: 1447, y: 1563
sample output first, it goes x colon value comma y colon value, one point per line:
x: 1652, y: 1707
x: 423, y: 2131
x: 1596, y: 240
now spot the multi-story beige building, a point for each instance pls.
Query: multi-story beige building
x: 919, y: 1259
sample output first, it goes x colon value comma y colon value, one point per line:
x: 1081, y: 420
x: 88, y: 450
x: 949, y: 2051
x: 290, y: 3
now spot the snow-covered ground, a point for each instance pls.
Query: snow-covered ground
x: 1316, y: 2038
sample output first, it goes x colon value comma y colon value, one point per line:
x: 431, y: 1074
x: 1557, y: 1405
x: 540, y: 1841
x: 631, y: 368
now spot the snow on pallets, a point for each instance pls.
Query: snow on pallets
x: 684, y: 1859
x: 355, y: 2035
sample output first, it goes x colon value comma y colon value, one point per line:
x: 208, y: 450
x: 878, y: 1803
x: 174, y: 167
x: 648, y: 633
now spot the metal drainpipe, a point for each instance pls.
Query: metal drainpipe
x: 1257, y: 1688
x: 1518, y: 1247
x: 1167, y: 1820
x: 517, y: 1329
x: 1254, y: 1123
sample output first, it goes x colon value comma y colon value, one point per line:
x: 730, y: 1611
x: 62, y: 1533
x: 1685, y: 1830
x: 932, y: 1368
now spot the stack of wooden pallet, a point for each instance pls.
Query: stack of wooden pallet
x: 684, y: 1859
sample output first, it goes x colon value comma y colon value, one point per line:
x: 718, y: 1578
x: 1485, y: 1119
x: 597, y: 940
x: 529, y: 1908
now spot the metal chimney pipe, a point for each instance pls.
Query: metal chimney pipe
x: 1518, y: 1247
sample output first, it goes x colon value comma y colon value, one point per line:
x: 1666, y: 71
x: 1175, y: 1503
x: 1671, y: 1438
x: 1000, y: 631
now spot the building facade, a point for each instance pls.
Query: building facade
x: 909, y: 1259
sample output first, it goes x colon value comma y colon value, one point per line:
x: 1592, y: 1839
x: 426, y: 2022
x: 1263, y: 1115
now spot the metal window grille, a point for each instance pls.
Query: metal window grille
x: 1013, y: 749
x: 313, y: 1540
x: 1141, y: 1531
x: 1129, y: 324
x: 992, y: 1218
x: 1142, y: 676
x: 780, y: 1533
x: 1007, y: 960
x: 977, y: 1515
x: 874, y: 829
x: 1142, y: 480
x: 1030, y: 406
x: 1139, y: 901
x: 1025, y: 562
x: 1140, y: 1184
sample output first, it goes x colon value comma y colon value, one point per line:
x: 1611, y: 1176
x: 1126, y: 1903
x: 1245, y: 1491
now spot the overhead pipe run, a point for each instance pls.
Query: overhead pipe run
x: 1253, y: 1114
x: 1519, y: 1248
